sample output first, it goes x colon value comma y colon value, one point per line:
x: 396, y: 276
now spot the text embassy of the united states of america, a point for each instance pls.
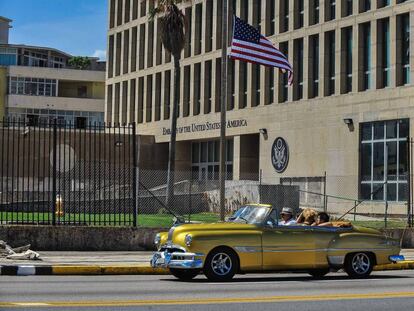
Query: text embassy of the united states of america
x: 208, y: 126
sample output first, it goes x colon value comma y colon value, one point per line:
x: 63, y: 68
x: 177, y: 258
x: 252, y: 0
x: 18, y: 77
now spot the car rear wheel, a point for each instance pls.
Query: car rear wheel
x: 358, y: 265
x: 221, y: 265
x: 318, y: 273
x: 185, y: 274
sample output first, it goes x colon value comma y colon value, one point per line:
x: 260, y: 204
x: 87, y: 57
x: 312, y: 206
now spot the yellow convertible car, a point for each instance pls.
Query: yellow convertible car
x: 252, y: 241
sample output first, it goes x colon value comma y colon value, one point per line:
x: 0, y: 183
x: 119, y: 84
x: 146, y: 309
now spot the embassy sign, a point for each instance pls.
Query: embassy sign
x: 280, y: 155
x: 207, y: 126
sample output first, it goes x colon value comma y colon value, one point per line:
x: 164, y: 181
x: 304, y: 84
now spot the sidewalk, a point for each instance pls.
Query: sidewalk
x: 95, y: 263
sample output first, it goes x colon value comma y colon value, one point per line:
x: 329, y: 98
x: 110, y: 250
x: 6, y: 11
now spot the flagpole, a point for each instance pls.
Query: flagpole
x: 223, y: 107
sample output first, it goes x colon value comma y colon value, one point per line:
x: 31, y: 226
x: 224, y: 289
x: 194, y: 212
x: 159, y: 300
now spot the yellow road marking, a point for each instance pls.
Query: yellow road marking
x: 204, y: 301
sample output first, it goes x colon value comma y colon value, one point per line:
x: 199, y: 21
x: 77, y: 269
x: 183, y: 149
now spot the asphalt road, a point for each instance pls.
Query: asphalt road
x: 391, y: 290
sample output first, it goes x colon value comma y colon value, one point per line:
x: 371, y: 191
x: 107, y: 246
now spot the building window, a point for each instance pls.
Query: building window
x: 330, y: 63
x: 270, y: 85
x: 148, y: 107
x: 313, y: 66
x: 111, y: 56
x: 217, y: 86
x: 284, y: 16
x: 150, y: 52
x: 383, y: 53
x: 313, y: 12
x: 244, y: 10
x: 158, y: 96
x: 330, y: 8
x: 132, y: 95
x: 283, y: 77
x: 32, y: 86
x: 346, y: 8
x: 364, y: 5
x: 167, y: 94
x: 141, y: 57
x: 119, y: 12
x: 8, y: 56
x: 187, y: 89
x: 127, y: 11
x: 382, y: 3
x: 383, y: 160
x: 299, y: 13
x: 112, y: 14
x: 109, y: 94
x: 118, y: 54
x: 158, y: 45
x: 123, y: 116
x: 125, y: 60
x: 257, y: 14
x: 205, y: 159
x: 198, y: 28
x: 346, y: 60
x: 134, y: 49
x: 256, y: 85
x: 207, y: 86
x: 143, y: 8
x: 134, y: 9
x: 141, y: 100
x: 197, y: 88
x: 187, y: 47
x: 242, y: 85
x: 365, y: 52
x: 298, y: 69
x: 232, y: 84
x: 209, y: 26
x: 403, y: 49
x: 271, y: 17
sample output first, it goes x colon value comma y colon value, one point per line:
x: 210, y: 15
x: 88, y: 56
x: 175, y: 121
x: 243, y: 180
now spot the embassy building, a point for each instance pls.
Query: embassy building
x: 341, y: 129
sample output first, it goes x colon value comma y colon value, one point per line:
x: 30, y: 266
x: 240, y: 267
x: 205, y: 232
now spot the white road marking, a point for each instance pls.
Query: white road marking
x: 26, y: 270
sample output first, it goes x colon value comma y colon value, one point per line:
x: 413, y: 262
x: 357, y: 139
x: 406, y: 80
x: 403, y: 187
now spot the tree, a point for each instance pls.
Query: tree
x: 79, y: 62
x: 172, y: 33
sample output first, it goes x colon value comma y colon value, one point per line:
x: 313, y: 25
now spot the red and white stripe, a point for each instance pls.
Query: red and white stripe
x: 264, y: 53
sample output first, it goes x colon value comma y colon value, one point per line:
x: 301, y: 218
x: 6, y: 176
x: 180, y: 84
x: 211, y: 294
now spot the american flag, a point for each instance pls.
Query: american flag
x: 250, y: 46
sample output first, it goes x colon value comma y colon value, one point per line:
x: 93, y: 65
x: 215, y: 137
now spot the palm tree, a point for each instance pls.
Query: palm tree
x: 172, y: 32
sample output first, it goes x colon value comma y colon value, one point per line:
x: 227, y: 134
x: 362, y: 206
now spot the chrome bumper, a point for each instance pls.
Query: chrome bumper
x: 177, y: 260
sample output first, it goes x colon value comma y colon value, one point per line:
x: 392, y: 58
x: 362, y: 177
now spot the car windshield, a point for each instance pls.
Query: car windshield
x: 249, y: 214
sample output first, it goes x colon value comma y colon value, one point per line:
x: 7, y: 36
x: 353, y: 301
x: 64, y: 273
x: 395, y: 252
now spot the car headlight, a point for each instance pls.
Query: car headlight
x: 188, y: 239
x: 157, y: 239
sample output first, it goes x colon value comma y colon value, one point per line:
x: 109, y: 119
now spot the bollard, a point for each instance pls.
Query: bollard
x: 59, y: 206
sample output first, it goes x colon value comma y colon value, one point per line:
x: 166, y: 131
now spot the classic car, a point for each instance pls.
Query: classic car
x: 252, y: 241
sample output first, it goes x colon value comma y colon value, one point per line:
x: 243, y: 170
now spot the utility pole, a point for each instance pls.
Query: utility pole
x: 223, y: 106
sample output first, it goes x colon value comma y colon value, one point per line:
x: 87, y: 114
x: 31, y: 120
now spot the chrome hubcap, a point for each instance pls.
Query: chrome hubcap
x: 361, y: 263
x: 221, y: 264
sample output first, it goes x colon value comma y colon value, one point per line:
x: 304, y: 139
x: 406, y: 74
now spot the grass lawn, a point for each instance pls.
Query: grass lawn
x: 144, y: 220
x: 380, y: 224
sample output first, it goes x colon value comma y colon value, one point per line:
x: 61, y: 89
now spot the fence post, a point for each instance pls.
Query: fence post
x: 325, y: 201
x: 409, y: 215
x: 54, y: 160
x: 135, y: 183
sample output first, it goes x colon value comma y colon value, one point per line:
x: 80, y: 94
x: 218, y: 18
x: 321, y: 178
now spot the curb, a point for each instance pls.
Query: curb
x: 23, y: 270
x: 402, y: 265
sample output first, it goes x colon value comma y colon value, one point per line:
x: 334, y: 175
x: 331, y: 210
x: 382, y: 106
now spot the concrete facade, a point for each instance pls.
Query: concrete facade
x: 310, y: 117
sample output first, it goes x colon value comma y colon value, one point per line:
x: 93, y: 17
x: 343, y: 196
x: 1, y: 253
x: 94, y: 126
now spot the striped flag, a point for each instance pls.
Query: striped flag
x: 250, y: 46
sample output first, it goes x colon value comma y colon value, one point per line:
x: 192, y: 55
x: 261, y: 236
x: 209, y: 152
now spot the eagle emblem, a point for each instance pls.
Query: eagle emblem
x: 280, y: 154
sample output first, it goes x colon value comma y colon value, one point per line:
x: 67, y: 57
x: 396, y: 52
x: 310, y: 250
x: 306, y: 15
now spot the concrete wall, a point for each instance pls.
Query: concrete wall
x: 94, y: 90
x: 67, y: 238
x: 64, y: 238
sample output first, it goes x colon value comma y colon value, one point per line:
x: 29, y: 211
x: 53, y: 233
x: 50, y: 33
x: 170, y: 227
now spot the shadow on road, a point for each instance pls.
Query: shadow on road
x: 243, y: 279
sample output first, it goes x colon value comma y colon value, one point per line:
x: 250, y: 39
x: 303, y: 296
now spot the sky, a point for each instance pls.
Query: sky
x: 77, y: 27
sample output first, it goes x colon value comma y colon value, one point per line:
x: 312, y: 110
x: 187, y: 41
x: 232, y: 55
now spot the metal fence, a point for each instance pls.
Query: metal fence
x: 57, y: 173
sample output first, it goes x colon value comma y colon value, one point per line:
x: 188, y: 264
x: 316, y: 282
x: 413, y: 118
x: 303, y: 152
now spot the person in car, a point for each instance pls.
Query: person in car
x: 323, y: 220
x: 287, y: 217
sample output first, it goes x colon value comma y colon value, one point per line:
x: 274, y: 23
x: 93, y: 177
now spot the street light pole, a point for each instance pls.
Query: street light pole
x: 223, y: 107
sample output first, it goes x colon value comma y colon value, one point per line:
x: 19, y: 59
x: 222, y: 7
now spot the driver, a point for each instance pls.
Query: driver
x: 287, y: 217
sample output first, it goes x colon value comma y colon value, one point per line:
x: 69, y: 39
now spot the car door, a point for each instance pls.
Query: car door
x: 288, y: 247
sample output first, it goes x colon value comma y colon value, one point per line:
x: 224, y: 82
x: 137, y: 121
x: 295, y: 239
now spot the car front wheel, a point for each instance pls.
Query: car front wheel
x: 185, y: 274
x: 221, y: 265
x: 359, y: 265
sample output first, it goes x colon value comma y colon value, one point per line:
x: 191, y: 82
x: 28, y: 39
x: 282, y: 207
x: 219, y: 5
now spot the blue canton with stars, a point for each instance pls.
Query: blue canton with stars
x: 245, y: 32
